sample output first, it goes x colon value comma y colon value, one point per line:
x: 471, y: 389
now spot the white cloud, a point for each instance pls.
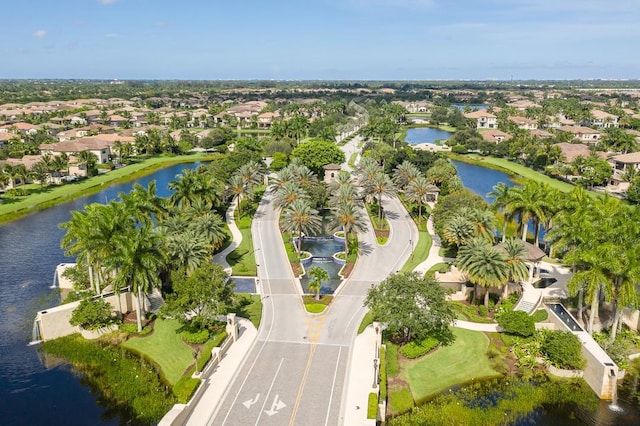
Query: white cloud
x: 113, y: 35
x: 406, y: 4
x: 39, y: 33
x: 163, y: 24
x: 107, y: 2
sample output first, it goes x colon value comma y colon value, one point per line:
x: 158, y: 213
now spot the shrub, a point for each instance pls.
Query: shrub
x: 482, y: 311
x: 383, y: 373
x: 92, y: 314
x: 417, y: 349
x: 195, y: 337
x: 517, y: 322
x: 372, y: 406
x: 563, y: 350
x: 540, y: 315
x: 184, y: 388
x: 129, y: 328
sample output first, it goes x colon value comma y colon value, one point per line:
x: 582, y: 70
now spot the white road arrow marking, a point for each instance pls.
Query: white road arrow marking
x: 249, y: 402
x: 276, y: 406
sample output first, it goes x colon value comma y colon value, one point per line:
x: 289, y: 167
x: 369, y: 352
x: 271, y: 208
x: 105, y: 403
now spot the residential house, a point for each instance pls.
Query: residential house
x: 523, y: 104
x: 542, y: 134
x: 265, y: 119
x: 571, y: 151
x: 495, y: 136
x: 524, y: 122
x: 484, y: 119
x: 603, y: 120
x: 621, y: 164
x: 583, y: 134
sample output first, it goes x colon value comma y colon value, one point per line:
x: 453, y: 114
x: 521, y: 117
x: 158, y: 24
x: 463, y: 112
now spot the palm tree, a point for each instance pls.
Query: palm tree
x: 211, y: 226
x: 299, y: 217
x: 187, y: 250
x: 484, y: 264
x: 238, y: 189
x: 527, y: 202
x: 138, y: 260
x: 500, y: 195
x: 379, y: 186
x: 349, y: 217
x: 288, y: 193
x: 405, y: 173
x: 458, y: 230
x: 87, y: 159
x: 317, y: 275
x: 417, y: 191
x: 518, y: 271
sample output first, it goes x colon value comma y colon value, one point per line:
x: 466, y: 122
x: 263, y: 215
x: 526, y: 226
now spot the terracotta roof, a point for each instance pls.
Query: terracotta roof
x: 532, y: 252
x: 331, y: 166
x: 479, y: 114
x: 630, y: 158
x: 541, y: 133
x: 579, y: 130
x: 573, y: 150
x: 494, y: 135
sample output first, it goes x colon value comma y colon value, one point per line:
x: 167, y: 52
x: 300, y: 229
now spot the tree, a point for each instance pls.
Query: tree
x: 187, y: 250
x: 350, y: 218
x: 527, y: 201
x: 87, y: 159
x: 500, y: 195
x: 484, y: 264
x: 137, y: 263
x: 318, y: 153
x: 518, y: 323
x: 299, y: 217
x: 413, y: 308
x: 199, y: 297
x: 380, y: 185
x: 92, y: 314
x: 317, y: 275
x: 405, y: 173
x: 417, y: 191
x: 518, y: 271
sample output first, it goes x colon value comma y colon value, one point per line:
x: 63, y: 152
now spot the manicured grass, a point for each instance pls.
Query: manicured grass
x: 540, y: 315
x: 52, y: 195
x: 248, y: 306
x: 458, y: 363
x: 420, y: 252
x: 400, y: 400
x: 242, y: 260
x: 438, y: 267
x: 316, y: 306
x: 367, y: 320
x: 470, y: 313
x: 352, y: 160
x: 165, y: 348
x: 517, y: 169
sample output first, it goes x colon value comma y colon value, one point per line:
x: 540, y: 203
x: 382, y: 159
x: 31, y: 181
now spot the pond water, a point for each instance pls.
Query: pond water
x: 416, y: 135
x: 474, y: 107
x: 322, y: 250
x: 31, y: 392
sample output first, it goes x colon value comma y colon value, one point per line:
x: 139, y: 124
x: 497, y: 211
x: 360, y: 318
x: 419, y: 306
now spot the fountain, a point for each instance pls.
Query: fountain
x: 36, y: 336
x: 613, y: 389
x: 322, y: 249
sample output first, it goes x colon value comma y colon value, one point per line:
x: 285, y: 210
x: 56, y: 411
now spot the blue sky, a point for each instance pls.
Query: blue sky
x: 321, y: 39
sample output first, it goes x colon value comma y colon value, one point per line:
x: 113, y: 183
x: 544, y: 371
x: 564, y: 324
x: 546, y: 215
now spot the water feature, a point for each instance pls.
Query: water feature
x: 474, y: 107
x: 565, y: 316
x: 544, y: 282
x: 244, y: 284
x: 322, y: 250
x: 416, y: 135
x: 31, y: 392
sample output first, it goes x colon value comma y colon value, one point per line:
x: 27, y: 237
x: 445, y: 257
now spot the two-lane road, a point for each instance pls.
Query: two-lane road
x: 295, y: 372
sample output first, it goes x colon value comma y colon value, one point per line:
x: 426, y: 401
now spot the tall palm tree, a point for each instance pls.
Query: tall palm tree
x: 417, y: 191
x: 238, y: 189
x: 527, y: 202
x: 288, y: 193
x: 500, y: 195
x: 379, y: 186
x: 211, y: 226
x: 518, y: 271
x: 349, y: 218
x: 405, y: 173
x: 299, y: 217
x: 458, y: 230
x: 137, y: 263
x: 317, y: 275
x: 484, y: 264
x: 87, y: 159
x: 187, y: 250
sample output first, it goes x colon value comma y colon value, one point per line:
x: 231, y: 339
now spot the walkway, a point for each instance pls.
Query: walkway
x: 236, y: 238
x: 434, y: 252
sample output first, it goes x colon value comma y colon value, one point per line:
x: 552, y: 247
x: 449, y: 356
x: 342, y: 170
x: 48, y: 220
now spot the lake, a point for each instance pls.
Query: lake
x: 417, y: 135
x: 32, y: 391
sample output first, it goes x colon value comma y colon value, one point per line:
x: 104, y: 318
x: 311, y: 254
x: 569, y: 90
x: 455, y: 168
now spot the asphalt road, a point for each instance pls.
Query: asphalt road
x: 296, y: 371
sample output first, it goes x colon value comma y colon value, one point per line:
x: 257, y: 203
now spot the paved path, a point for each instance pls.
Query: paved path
x: 433, y: 258
x: 236, y: 238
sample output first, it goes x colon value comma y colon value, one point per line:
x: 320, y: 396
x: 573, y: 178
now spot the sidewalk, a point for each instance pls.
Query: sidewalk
x: 360, y: 379
x: 220, y: 380
x: 434, y: 252
x: 236, y: 238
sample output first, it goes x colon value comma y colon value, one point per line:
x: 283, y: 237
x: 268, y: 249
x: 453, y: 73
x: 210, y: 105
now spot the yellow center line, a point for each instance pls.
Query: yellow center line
x: 302, y: 385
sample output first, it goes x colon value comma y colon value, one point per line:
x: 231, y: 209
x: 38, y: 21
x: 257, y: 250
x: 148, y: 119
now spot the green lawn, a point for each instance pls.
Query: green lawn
x: 48, y: 196
x: 352, y: 160
x: 461, y: 362
x: 165, y: 348
x: 242, y: 260
x: 420, y: 252
x: 248, y: 306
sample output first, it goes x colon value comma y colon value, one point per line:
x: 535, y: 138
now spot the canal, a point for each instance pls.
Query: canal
x: 32, y: 390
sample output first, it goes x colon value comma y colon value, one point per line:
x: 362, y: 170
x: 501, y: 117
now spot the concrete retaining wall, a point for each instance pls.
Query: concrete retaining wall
x: 631, y: 318
x: 54, y: 322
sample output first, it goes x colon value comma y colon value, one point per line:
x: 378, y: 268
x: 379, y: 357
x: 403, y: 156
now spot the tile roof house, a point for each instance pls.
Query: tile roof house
x: 265, y: 119
x: 603, y: 120
x: 621, y: 164
x: 542, y: 134
x: 524, y: 122
x: 571, y: 151
x: 484, y: 119
x: 583, y: 134
x: 496, y: 136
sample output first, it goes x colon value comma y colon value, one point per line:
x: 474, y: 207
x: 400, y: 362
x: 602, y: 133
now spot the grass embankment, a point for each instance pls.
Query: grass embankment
x: 41, y: 198
x: 242, y: 259
x: 513, y: 169
x: 248, y: 306
x: 166, y: 348
x: 314, y: 306
x: 419, y: 379
x: 352, y: 160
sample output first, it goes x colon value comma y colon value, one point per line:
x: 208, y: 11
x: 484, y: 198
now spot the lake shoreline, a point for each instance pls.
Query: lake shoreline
x: 97, y: 183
